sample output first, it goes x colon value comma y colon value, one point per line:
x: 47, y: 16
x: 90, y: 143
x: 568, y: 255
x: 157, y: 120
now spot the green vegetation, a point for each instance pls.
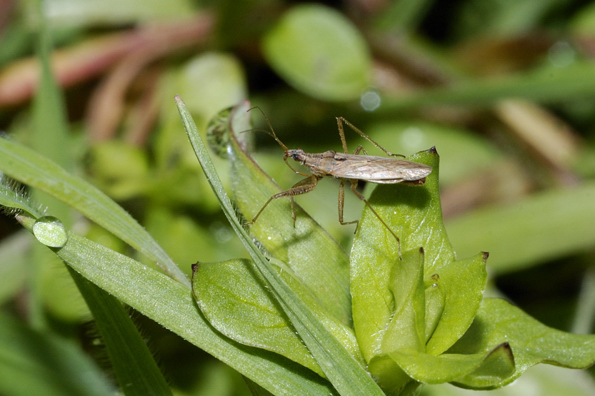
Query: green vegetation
x: 129, y: 257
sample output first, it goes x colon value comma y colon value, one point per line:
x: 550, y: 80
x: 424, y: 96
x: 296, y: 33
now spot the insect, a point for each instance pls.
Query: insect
x: 347, y: 167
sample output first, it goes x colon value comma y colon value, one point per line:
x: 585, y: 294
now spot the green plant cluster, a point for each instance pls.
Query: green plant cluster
x: 130, y: 268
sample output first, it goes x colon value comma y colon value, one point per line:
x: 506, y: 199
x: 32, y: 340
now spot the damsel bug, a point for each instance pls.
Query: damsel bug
x: 345, y: 166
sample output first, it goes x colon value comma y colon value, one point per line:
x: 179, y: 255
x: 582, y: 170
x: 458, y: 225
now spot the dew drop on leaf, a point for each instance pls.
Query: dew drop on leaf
x: 50, y: 231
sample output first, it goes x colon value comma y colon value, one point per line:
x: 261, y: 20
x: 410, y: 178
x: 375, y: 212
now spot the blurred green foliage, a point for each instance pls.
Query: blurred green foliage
x: 504, y: 90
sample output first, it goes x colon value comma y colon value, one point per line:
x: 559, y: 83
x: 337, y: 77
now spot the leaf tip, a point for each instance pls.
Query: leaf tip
x: 195, y: 268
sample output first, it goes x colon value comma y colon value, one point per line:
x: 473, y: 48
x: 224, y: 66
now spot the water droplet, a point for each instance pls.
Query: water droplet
x: 50, y: 231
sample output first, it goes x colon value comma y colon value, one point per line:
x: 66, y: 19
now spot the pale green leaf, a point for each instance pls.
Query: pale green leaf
x: 319, y: 51
x: 531, y: 342
x: 488, y: 367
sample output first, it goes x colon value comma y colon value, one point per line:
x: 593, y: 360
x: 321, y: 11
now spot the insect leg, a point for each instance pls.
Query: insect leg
x: 293, y: 169
x: 341, y: 204
x: 359, y: 149
x: 341, y: 121
x: 360, y: 196
x: 302, y: 187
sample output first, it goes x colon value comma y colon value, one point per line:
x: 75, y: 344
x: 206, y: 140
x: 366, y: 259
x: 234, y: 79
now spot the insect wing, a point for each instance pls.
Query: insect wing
x: 380, y: 170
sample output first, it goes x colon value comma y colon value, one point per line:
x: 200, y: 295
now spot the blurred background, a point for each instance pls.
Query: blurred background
x: 504, y: 89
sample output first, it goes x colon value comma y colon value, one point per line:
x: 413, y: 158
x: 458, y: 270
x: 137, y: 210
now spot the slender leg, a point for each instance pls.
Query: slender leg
x: 359, y: 149
x: 342, y: 205
x: 293, y: 169
x: 302, y: 187
x: 341, y: 121
x: 342, y: 133
x: 360, y: 196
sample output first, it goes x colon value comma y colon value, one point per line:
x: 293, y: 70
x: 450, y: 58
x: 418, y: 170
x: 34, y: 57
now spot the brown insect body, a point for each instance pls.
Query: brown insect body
x: 381, y: 170
x: 352, y: 167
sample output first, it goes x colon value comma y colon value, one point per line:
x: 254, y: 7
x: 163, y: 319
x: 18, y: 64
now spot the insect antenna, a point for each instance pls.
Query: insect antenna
x: 272, y: 131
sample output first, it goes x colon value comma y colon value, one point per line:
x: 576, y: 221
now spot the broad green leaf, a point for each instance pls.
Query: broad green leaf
x: 28, y: 167
x: 34, y: 363
x: 435, y: 301
x: 462, y: 282
x: 345, y: 373
x: 490, y: 367
x: 391, y: 378
x: 531, y: 342
x: 221, y: 79
x: 414, y: 213
x: 232, y: 298
x: 496, y: 368
x: 305, y: 247
x: 319, y: 51
x: 406, y: 329
x: 520, y: 235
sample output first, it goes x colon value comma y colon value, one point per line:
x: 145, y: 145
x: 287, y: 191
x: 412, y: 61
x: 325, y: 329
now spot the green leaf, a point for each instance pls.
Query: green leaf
x: 489, y: 367
x: 414, y: 213
x: 28, y: 167
x: 170, y: 304
x: 305, y: 247
x: 319, y: 51
x: 462, y: 282
x: 232, y: 297
x: 531, y: 342
x: 551, y: 85
x: 346, y: 374
x: 406, y: 329
x: 391, y: 378
x: 375, y: 251
x: 72, y: 13
x: 520, y: 235
x: 12, y: 196
x: 134, y: 367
